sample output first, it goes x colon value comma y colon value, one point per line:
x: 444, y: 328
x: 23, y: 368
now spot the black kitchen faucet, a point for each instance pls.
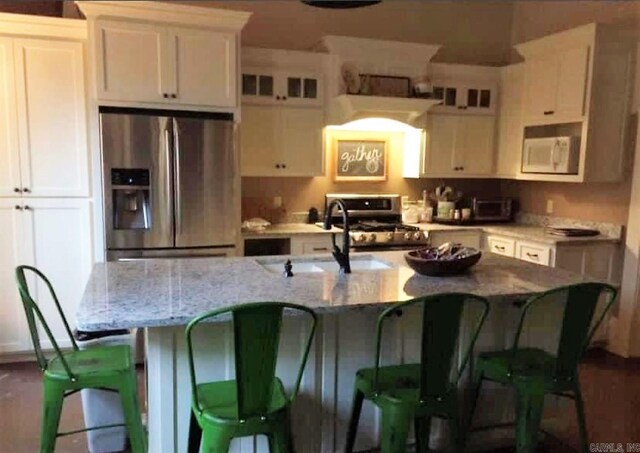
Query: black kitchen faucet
x: 341, y: 256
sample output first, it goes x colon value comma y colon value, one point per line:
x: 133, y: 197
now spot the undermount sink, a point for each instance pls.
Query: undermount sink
x: 314, y: 266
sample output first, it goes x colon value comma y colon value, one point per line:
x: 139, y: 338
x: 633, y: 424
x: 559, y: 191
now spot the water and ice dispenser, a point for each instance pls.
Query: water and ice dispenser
x: 131, y: 199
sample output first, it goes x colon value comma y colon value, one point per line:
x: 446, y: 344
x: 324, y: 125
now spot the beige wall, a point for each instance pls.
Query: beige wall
x: 470, y: 31
x: 597, y: 202
x: 299, y: 194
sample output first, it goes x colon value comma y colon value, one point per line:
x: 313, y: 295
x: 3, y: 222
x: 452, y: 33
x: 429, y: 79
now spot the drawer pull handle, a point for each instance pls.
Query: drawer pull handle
x: 533, y: 255
x: 499, y: 247
x: 549, y: 112
x: 320, y: 249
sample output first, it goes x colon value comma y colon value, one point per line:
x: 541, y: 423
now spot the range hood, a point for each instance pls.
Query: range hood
x: 349, y: 107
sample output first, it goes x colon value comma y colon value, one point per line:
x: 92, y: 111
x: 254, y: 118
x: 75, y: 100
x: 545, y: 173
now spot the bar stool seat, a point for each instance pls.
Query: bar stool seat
x: 92, y: 362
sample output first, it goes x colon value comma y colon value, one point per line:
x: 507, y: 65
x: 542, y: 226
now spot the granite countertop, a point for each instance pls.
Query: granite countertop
x: 171, y: 292
x: 288, y: 229
x: 525, y: 232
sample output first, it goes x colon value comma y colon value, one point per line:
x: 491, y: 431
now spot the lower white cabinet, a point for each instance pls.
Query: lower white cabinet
x: 309, y: 244
x: 53, y: 235
x: 534, y: 253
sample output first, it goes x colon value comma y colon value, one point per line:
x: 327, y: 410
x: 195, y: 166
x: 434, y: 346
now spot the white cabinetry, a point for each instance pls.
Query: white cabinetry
x: 578, y: 82
x: 54, y: 235
x: 510, y: 128
x: 43, y: 148
x: 534, y: 253
x: 13, y: 330
x: 555, y: 86
x: 281, y: 141
x: 459, y: 145
x: 145, y: 62
x: 309, y: 244
x: 157, y: 54
x: 501, y: 245
x: 282, y: 113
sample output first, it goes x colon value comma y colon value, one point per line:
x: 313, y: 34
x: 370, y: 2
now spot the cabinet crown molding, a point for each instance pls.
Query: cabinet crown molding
x: 153, y: 11
x: 39, y: 26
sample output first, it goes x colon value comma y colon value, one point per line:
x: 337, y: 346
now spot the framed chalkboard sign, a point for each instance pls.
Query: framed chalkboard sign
x: 360, y: 160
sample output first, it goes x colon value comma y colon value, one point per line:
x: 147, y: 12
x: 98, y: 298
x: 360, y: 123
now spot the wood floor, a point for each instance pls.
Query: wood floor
x: 611, y: 388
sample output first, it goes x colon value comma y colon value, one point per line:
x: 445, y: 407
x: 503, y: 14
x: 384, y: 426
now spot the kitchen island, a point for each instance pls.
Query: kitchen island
x: 163, y: 295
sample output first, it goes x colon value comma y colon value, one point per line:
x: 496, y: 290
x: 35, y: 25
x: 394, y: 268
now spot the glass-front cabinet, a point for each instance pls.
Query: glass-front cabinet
x: 267, y: 86
x: 476, y: 98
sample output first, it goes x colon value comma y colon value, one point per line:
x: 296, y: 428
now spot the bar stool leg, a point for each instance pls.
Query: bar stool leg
x: 53, y: 399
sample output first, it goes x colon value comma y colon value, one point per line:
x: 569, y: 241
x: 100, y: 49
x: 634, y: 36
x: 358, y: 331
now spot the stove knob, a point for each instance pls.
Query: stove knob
x: 389, y: 236
x: 358, y: 237
x: 407, y: 236
x: 417, y: 235
x: 372, y: 237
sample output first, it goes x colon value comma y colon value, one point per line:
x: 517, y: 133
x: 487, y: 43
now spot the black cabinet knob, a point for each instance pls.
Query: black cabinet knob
x: 165, y: 95
x: 277, y: 165
x: 16, y: 190
x: 284, y: 98
x: 19, y: 208
x: 26, y: 190
x: 284, y: 165
x: 173, y: 96
x: 278, y: 98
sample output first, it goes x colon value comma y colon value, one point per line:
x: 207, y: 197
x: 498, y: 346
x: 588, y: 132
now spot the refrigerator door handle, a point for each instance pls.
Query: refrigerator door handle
x: 176, y: 170
x: 167, y: 149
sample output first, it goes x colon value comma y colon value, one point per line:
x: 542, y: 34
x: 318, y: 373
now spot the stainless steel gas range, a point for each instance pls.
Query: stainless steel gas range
x: 375, y: 223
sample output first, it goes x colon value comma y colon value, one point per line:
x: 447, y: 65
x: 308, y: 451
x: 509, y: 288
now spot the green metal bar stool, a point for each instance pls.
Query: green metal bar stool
x: 108, y: 368
x: 256, y: 401
x: 417, y: 392
x: 534, y: 372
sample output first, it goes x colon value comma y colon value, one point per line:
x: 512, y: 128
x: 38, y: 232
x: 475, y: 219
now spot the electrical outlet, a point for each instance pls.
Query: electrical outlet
x: 549, y: 206
x: 277, y: 202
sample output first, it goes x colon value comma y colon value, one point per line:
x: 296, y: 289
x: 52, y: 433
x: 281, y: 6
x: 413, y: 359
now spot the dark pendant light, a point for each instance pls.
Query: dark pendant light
x: 340, y: 4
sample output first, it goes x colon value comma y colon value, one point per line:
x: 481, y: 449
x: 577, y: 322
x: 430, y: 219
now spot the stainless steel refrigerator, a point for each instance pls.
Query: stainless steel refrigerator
x: 171, y: 183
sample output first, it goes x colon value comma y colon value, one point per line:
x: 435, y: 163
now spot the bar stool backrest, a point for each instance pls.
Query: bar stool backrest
x: 35, y: 317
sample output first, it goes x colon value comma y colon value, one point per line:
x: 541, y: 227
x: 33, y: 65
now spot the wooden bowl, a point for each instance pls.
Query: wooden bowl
x: 439, y: 268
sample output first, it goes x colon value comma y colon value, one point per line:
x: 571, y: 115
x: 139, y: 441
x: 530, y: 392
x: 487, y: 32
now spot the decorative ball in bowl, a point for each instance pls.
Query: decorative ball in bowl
x: 448, y: 259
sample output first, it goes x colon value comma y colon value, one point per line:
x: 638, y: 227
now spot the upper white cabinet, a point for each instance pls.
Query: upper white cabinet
x: 131, y: 59
x: 158, y: 54
x: 43, y: 145
x: 281, y: 141
x: 296, y: 88
x: 459, y: 146
x: 281, y: 132
x: 472, y: 98
x: 555, y: 86
x: 578, y: 82
x: 202, y: 67
x: 142, y: 62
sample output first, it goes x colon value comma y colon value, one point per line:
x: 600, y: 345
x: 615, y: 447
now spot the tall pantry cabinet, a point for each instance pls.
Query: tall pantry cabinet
x: 45, y: 204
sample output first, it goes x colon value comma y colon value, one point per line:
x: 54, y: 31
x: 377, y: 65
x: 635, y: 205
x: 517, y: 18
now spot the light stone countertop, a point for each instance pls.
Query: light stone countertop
x: 171, y: 292
x: 515, y: 230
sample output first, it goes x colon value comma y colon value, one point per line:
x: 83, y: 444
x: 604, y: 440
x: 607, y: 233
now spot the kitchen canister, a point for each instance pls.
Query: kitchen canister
x: 445, y: 209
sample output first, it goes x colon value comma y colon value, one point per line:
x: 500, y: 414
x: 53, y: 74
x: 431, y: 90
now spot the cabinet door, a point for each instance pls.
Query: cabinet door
x: 13, y: 323
x: 60, y: 246
x: 130, y: 62
x: 301, y: 143
x: 260, y: 140
x: 441, y: 142
x: 473, y: 152
x: 572, y: 81
x: 52, y: 121
x: 301, y: 88
x: 9, y: 153
x: 202, y: 69
x: 541, y: 87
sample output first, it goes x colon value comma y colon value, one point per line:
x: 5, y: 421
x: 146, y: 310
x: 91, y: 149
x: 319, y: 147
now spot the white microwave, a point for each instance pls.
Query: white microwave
x: 558, y: 155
